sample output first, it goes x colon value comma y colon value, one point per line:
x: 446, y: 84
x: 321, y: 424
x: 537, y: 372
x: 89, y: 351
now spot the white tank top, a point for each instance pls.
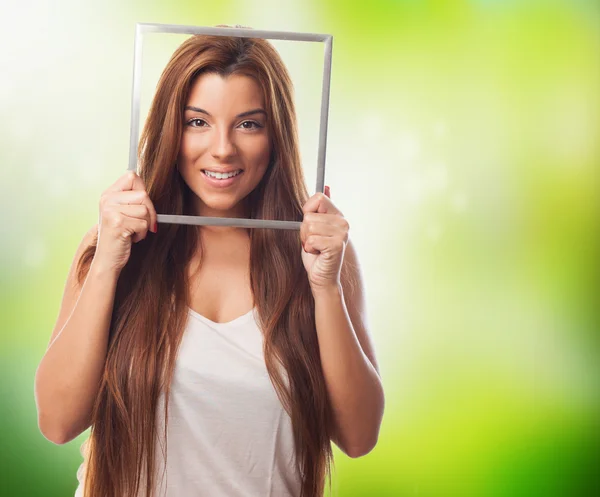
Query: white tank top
x: 228, y: 434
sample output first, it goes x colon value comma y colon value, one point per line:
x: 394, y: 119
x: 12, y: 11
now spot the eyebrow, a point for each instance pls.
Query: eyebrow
x: 243, y: 114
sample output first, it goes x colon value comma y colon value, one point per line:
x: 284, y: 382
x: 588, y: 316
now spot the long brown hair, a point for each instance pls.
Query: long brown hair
x: 150, y: 307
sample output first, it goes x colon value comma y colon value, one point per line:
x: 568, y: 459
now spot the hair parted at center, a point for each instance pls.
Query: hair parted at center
x: 152, y: 295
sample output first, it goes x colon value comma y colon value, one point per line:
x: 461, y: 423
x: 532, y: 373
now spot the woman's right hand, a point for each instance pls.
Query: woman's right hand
x: 126, y: 215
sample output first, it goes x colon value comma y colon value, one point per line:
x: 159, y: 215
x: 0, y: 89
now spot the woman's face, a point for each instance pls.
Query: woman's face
x: 225, y: 131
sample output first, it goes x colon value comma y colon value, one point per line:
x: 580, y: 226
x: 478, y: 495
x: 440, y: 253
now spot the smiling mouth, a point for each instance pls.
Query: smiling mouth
x: 222, y: 175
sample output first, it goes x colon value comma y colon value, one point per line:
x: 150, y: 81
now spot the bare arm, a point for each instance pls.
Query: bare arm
x: 349, y: 364
x: 68, y: 376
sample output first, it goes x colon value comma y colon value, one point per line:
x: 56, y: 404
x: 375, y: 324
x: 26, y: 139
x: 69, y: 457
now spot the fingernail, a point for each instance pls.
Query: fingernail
x: 155, y: 227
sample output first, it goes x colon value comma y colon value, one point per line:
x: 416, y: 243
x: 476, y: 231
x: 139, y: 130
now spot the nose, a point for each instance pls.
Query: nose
x: 222, y: 147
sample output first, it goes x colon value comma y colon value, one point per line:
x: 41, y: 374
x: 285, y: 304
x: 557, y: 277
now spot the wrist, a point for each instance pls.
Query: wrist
x: 100, y: 270
x: 328, y: 291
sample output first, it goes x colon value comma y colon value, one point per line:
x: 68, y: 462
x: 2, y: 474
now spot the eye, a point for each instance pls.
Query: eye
x: 250, y: 125
x: 197, y: 119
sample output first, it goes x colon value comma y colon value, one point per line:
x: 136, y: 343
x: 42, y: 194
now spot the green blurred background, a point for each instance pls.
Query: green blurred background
x: 464, y: 151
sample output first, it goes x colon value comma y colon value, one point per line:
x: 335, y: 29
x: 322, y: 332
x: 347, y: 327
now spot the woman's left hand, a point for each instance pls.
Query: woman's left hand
x: 324, y: 235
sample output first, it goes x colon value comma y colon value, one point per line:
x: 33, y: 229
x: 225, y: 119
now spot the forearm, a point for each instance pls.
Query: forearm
x: 353, y: 383
x: 67, y: 379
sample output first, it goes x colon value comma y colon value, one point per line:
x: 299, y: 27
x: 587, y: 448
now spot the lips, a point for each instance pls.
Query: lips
x: 221, y: 183
x: 222, y: 171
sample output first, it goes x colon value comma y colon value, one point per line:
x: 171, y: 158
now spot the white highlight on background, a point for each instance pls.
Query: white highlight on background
x: 433, y: 231
x: 409, y: 146
x: 459, y: 202
x: 439, y: 129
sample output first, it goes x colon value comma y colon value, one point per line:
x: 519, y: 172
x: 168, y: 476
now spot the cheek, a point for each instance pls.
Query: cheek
x: 260, y: 150
x: 191, y: 147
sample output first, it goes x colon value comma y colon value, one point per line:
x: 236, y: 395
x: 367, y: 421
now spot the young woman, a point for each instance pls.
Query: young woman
x: 213, y: 361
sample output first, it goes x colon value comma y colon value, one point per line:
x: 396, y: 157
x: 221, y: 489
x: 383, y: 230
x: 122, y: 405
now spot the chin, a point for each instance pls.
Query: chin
x: 219, y: 207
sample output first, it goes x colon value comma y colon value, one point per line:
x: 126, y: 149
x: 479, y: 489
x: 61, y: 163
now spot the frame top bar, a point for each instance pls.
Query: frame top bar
x: 238, y: 32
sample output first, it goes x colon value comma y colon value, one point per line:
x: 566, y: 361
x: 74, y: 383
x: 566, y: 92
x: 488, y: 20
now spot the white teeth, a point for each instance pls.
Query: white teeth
x: 222, y: 175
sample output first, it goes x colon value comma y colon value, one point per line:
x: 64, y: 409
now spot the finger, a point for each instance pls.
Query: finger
x: 127, y: 225
x: 324, y: 229
x: 116, y: 214
x: 316, y: 244
x: 138, y: 227
x: 136, y: 211
x: 321, y: 227
x: 324, y: 224
x: 320, y: 203
x: 132, y: 197
x: 125, y: 197
x: 141, y: 229
x: 128, y: 181
x: 135, y: 227
x: 334, y: 219
x: 141, y: 211
x: 328, y: 191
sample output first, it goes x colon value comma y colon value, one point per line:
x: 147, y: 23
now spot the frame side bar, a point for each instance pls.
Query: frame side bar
x: 134, y: 126
x: 324, y: 116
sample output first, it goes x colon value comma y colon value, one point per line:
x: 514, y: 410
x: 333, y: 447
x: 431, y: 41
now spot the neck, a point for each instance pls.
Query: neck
x: 223, y: 236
